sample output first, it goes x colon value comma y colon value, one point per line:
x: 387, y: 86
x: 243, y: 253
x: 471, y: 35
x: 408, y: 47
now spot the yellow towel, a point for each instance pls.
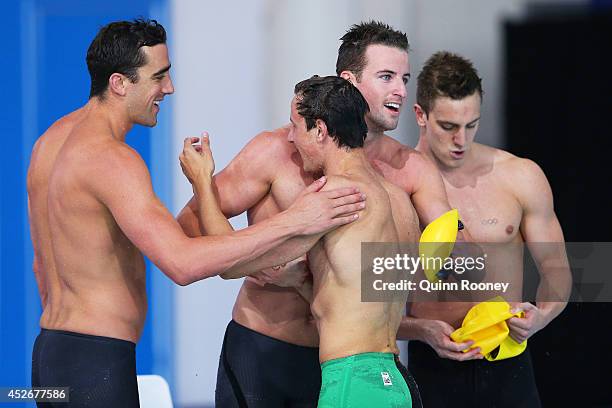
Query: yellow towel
x: 485, y: 324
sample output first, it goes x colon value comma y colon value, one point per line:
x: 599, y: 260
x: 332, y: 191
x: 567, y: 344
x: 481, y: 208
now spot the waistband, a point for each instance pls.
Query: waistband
x: 53, y: 332
x: 359, y: 358
x: 237, y: 326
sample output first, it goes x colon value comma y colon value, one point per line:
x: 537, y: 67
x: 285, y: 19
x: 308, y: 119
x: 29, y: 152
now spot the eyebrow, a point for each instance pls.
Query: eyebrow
x: 445, y: 122
x: 474, y: 121
x: 162, y: 71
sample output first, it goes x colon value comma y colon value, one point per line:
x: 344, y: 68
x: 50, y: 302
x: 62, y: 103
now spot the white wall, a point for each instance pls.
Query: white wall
x: 216, y: 56
x: 235, y: 65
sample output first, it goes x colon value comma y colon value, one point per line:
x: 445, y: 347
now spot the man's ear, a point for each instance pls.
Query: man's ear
x: 421, y: 116
x: 321, y: 130
x: 349, y: 76
x: 117, y: 84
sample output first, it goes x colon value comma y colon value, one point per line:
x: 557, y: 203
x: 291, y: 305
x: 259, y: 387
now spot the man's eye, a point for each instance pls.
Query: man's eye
x: 448, y: 127
x: 472, y: 126
x: 385, y: 77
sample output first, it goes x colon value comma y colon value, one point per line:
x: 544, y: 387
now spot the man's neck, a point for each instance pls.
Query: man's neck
x: 343, y: 162
x: 113, y: 116
x: 372, y: 145
x: 451, y: 174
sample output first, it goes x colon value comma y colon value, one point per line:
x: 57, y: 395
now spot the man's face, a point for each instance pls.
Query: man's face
x: 383, y: 85
x: 450, y: 128
x: 304, y: 140
x: 153, y: 84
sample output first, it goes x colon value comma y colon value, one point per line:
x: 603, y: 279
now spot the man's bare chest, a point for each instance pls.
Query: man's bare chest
x: 490, y: 212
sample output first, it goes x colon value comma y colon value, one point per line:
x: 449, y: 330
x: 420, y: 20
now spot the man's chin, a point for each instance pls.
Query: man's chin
x: 148, y: 122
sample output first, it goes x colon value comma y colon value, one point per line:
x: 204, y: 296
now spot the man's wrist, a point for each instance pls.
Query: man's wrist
x: 290, y: 223
x: 202, y: 186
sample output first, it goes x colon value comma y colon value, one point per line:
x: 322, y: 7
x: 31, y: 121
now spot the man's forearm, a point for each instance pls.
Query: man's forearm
x: 553, y: 293
x: 555, y: 279
x: 409, y: 329
x: 212, y: 220
x: 239, y: 251
x: 287, y: 251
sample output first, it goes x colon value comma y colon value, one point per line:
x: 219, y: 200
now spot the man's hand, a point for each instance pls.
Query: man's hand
x: 319, y: 212
x: 197, y: 160
x: 289, y: 275
x: 521, y: 328
x: 437, y: 333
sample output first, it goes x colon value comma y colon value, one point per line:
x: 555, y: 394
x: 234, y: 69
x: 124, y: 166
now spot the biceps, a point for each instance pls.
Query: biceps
x: 240, y: 190
x: 541, y: 227
x: 430, y: 203
x: 151, y: 228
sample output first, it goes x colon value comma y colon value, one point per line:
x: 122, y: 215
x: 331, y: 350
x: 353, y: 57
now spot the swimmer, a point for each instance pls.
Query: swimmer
x: 357, y: 348
x: 93, y: 215
x: 483, y: 183
x: 264, y: 179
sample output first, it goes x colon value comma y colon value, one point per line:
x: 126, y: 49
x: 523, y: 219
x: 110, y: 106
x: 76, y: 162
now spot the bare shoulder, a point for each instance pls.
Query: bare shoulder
x: 271, y: 142
x: 337, y: 181
x: 47, y: 146
x: 524, y: 177
x: 513, y: 166
x: 116, y: 157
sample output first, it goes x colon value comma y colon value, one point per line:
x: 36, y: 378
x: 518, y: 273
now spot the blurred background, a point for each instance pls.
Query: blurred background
x: 546, y: 74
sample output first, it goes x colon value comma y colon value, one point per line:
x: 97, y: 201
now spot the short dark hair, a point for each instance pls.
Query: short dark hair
x: 117, y: 48
x: 336, y: 102
x: 446, y: 75
x: 351, y: 54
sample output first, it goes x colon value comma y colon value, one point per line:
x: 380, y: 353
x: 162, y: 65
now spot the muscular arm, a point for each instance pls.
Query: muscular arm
x: 542, y: 233
x: 198, y: 167
x: 428, y: 192
x: 149, y: 225
x: 238, y: 187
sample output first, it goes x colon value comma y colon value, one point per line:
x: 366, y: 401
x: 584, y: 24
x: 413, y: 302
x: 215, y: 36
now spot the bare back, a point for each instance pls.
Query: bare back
x: 346, y: 325
x: 93, y: 276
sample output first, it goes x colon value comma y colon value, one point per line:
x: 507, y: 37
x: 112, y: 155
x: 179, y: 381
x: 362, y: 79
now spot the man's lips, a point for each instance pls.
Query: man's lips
x: 393, y: 106
x: 457, y: 154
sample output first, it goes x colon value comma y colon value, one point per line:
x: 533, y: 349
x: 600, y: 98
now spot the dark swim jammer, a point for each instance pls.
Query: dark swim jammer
x: 100, y: 371
x: 472, y: 384
x: 258, y: 371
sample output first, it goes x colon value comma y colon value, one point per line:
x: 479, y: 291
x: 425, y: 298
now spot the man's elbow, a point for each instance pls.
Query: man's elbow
x: 190, y: 272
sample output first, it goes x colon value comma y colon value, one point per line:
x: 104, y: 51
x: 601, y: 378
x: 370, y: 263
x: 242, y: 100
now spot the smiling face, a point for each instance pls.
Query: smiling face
x: 449, y: 129
x: 383, y: 84
x: 305, y: 141
x: 144, y: 95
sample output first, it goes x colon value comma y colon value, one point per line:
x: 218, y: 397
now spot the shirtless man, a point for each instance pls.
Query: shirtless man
x: 93, y: 215
x: 265, y: 178
x: 504, y: 200
x: 357, y: 345
x: 357, y: 339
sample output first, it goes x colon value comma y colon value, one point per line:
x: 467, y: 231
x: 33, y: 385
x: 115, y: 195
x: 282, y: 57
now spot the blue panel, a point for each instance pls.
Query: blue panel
x: 46, y: 43
x: 12, y: 322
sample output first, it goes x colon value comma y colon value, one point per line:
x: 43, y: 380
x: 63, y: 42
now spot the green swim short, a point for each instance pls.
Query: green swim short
x: 363, y: 380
